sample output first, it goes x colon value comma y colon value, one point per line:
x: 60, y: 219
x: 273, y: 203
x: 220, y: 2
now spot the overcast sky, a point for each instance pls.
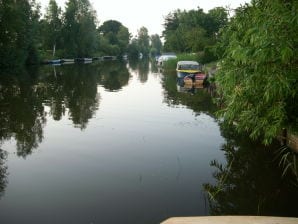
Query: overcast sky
x: 150, y: 13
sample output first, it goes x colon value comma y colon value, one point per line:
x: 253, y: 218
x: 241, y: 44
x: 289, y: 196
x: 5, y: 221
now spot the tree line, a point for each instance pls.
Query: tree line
x: 27, y: 36
x: 256, y: 50
x: 194, y: 31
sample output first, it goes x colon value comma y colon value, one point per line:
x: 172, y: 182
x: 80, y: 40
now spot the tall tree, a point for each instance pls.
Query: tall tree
x: 156, y: 45
x: 133, y: 49
x: 53, y: 25
x: 19, y: 25
x: 114, y: 37
x: 143, y: 41
x: 79, y: 29
x: 193, y: 30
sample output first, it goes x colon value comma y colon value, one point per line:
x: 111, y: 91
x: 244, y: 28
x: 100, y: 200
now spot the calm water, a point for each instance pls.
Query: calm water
x: 114, y: 142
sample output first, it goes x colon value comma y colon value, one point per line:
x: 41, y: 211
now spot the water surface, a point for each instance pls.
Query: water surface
x: 111, y: 142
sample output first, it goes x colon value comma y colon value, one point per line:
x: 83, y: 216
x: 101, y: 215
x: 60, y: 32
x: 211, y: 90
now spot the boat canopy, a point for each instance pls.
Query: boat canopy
x: 188, y: 65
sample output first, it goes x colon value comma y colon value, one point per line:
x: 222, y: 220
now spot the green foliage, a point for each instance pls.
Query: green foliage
x: 52, y: 27
x: 156, y: 45
x: 258, y: 75
x: 133, y: 49
x: 172, y: 63
x: 191, y: 31
x: 143, y: 41
x: 114, y: 38
x: 18, y: 36
x: 80, y: 36
x: 140, y: 45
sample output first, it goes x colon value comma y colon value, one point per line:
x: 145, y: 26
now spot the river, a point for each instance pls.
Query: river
x: 116, y: 142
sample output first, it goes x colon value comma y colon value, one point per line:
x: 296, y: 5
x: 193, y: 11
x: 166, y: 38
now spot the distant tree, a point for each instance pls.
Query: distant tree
x: 123, y: 37
x: 143, y: 41
x: 155, y: 45
x: 114, y: 38
x: 133, y: 49
x: 258, y: 70
x: 109, y: 29
x: 193, y: 30
x: 217, y: 19
x: 170, y: 25
x: 79, y: 29
x: 52, y: 25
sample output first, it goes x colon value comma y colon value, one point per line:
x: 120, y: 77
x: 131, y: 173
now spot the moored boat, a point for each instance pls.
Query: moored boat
x: 187, y: 68
x: 165, y: 57
x: 200, y: 78
x: 83, y: 59
x: 55, y: 61
x: 67, y: 61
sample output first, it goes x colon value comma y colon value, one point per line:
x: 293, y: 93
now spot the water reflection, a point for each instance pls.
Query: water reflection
x: 250, y: 182
x: 195, y: 97
x: 22, y: 111
x: 3, y: 172
x: 65, y: 90
x: 114, y: 75
x: 144, y: 153
x: 141, y: 68
x: 72, y: 89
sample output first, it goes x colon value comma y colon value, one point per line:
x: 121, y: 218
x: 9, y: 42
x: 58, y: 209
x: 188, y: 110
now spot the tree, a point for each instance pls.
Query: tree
x: 156, y: 45
x: 258, y: 75
x: 19, y: 27
x: 143, y: 41
x: 194, y: 30
x: 123, y: 37
x: 114, y: 37
x: 217, y: 18
x: 53, y: 25
x: 133, y: 49
x: 79, y: 29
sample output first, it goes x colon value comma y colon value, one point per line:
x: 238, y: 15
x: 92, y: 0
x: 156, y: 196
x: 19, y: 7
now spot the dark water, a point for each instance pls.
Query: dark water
x: 113, y: 142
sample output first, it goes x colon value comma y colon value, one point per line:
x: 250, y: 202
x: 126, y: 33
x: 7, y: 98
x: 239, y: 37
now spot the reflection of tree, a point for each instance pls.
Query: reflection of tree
x: 80, y: 88
x: 23, y: 96
x: 199, y: 101
x: 114, y: 75
x: 133, y: 64
x: 3, y: 172
x: 250, y: 182
x: 22, y: 113
x: 143, y: 70
x: 74, y: 87
x: 154, y: 67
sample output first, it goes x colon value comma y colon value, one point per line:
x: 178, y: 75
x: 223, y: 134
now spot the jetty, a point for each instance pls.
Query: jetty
x: 231, y: 220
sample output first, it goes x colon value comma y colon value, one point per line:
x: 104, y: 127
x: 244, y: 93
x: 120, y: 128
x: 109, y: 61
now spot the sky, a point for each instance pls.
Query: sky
x: 134, y: 14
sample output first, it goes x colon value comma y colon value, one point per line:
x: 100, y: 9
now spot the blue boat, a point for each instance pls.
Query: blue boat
x: 56, y: 61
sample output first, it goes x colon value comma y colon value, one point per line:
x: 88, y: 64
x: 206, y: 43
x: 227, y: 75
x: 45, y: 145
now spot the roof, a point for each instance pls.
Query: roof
x: 187, y: 63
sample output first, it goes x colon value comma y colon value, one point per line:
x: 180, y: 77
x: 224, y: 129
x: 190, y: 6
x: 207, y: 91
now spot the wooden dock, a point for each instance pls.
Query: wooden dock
x: 231, y: 220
